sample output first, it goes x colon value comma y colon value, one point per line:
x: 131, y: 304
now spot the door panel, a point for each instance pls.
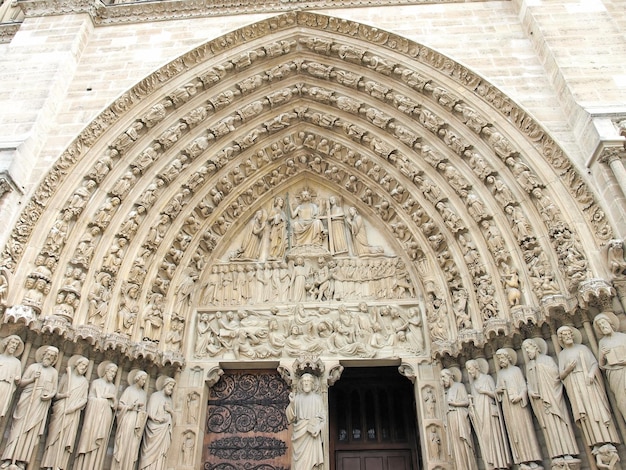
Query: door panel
x: 374, y: 460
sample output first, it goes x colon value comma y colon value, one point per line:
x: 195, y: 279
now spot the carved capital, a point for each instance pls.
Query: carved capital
x: 214, y: 375
x: 611, y: 154
x: 334, y: 374
x: 595, y: 292
x: 408, y: 370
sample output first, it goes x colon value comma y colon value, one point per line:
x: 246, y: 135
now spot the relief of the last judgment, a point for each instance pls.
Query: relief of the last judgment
x: 320, y: 281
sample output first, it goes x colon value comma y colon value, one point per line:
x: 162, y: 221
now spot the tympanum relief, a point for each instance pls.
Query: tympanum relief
x: 307, y: 273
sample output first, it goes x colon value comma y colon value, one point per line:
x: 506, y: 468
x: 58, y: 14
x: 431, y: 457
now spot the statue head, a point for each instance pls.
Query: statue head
x: 605, y: 323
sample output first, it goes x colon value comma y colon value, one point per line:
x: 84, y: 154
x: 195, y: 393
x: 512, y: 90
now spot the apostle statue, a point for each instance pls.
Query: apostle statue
x: 512, y: 392
x: 457, y: 416
x: 131, y: 419
x: 612, y: 356
x: 11, y: 348
x: 69, y: 402
x: 40, y: 383
x: 308, y: 229
x: 98, y: 422
x: 157, y: 437
x: 307, y: 415
x: 486, y: 417
x: 578, y: 369
x: 545, y: 391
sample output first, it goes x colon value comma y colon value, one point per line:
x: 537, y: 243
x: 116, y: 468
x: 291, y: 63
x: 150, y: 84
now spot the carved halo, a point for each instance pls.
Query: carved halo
x: 510, y: 353
x: 457, y: 375
x: 103, y: 366
x: 578, y: 337
x: 540, y: 343
x: 5, y: 342
x: 483, y: 365
x: 608, y: 316
x: 71, y: 363
x: 132, y: 375
x: 162, y: 381
x: 41, y: 351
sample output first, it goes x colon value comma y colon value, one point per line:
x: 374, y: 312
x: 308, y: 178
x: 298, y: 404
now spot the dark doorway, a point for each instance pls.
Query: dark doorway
x: 372, y: 421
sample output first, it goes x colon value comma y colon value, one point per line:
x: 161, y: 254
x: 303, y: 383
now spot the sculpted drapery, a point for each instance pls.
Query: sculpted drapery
x: 101, y: 402
x: 612, y: 357
x: 545, y: 390
x: 458, y: 425
x: 308, y: 229
x: 306, y: 413
x: 11, y: 348
x: 40, y: 383
x: 158, y: 434
x: 131, y: 419
x: 512, y: 392
x: 578, y: 369
x: 486, y: 418
x: 66, y: 410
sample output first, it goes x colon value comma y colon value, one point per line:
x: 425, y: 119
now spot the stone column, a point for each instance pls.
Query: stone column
x: 612, y: 156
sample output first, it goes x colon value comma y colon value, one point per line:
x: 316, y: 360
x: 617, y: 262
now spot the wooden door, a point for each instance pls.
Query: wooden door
x: 374, y: 460
x: 246, y: 425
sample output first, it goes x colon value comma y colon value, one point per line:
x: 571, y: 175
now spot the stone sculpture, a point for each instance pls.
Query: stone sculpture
x: 307, y: 414
x: 457, y: 420
x: 545, y: 391
x: 11, y: 348
x: 253, y: 239
x: 512, y: 393
x: 98, y: 421
x: 359, y: 234
x: 158, y: 434
x: 68, y: 405
x: 131, y: 419
x: 578, y: 369
x: 308, y: 229
x: 486, y: 417
x: 40, y: 383
x: 612, y: 356
x: 277, y: 221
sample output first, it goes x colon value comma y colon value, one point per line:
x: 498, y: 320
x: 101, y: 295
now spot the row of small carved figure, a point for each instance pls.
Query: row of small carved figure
x: 343, y: 332
x: 143, y: 425
x: 495, y: 406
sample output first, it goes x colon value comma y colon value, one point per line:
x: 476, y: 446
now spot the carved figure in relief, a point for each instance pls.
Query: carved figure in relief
x: 298, y: 281
x: 98, y: 421
x: 512, y: 392
x: 11, y: 348
x: 68, y: 405
x: 307, y: 414
x: 486, y: 417
x: 612, y: 356
x: 606, y: 457
x: 131, y: 419
x: 457, y: 421
x: 545, y: 391
x: 578, y: 369
x: 252, y: 242
x: 615, y: 257
x: 359, y: 235
x: 277, y: 221
x: 40, y: 381
x: 308, y: 229
x: 511, y: 284
x: 158, y: 434
x: 187, y: 448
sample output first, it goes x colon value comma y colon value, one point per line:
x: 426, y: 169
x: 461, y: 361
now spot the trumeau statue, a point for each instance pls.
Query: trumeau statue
x: 68, y: 405
x: 307, y: 414
x: 545, y: 391
x: 11, y: 348
x: 612, y: 356
x: 131, y: 419
x: 512, y: 393
x: 579, y: 372
x: 98, y: 422
x: 457, y: 420
x: 40, y: 383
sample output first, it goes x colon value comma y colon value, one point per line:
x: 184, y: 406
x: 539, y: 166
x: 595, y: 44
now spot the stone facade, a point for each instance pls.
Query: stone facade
x: 194, y: 189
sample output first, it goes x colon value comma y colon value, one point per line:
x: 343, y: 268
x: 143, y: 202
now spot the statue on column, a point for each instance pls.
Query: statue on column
x: 68, y: 404
x: 612, y: 356
x: 11, y: 348
x: 578, y: 369
x: 158, y: 434
x: 545, y: 390
x: 40, y: 383
x: 131, y: 419
x: 307, y: 414
x: 512, y: 393
x: 458, y: 425
x: 98, y: 422
x: 486, y: 417
x: 308, y: 229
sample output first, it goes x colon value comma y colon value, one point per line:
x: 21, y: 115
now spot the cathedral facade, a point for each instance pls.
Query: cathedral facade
x: 315, y: 234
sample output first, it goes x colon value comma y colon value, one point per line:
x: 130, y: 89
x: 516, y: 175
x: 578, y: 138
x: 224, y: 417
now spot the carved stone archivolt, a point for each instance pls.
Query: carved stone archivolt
x: 311, y: 184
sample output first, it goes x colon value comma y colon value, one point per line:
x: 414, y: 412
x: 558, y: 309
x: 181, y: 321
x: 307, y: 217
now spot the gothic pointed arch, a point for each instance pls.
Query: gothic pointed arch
x: 483, y: 222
